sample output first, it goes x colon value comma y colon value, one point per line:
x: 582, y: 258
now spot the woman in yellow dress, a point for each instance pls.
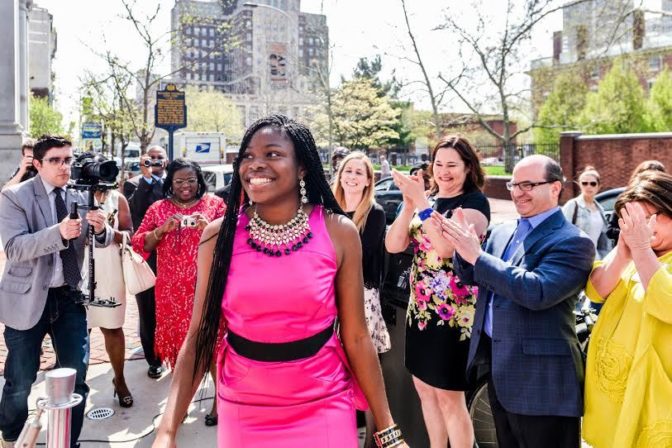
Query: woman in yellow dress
x: 629, y: 371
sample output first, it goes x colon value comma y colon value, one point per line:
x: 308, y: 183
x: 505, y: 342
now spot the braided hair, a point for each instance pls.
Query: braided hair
x: 318, y: 191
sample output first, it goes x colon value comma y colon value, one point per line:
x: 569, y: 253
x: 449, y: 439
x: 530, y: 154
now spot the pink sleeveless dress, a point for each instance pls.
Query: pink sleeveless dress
x: 303, y: 403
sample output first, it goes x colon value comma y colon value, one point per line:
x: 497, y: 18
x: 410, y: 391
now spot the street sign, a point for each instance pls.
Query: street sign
x: 170, y: 112
x: 91, y: 130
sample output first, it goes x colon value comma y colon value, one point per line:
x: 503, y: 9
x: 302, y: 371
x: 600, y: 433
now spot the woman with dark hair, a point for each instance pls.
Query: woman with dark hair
x: 587, y: 214
x: 353, y: 190
x: 628, y: 388
x: 278, y: 272
x: 440, y: 309
x: 645, y: 166
x: 173, y: 227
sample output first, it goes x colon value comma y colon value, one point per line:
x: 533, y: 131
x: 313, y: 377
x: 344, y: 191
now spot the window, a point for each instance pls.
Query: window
x: 655, y: 63
x: 219, y: 67
x: 212, y: 66
x: 212, y: 32
x: 197, y: 31
x: 248, y: 60
x: 187, y: 30
x: 188, y: 76
x: 384, y: 185
x: 211, y: 78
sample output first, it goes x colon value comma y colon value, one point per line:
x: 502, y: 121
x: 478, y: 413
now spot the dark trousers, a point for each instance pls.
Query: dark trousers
x: 147, y: 317
x: 529, y: 431
x: 65, y: 322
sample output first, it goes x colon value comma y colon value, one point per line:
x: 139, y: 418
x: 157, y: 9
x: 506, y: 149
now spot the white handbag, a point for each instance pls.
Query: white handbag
x: 137, y: 273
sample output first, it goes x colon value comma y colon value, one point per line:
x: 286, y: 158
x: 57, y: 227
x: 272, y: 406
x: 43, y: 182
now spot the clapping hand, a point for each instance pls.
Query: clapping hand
x: 412, y: 188
x: 460, y: 234
x: 636, y: 230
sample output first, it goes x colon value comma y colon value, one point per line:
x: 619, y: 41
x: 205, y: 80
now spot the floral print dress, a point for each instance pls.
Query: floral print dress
x: 441, y: 309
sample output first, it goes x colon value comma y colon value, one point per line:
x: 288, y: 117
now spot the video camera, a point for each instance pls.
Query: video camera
x: 87, y: 172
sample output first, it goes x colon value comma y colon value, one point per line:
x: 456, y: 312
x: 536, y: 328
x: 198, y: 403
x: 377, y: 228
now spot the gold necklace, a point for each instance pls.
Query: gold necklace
x: 183, y: 205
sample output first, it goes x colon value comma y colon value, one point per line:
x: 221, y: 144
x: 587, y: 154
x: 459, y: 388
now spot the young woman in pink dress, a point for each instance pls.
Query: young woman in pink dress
x: 278, y: 272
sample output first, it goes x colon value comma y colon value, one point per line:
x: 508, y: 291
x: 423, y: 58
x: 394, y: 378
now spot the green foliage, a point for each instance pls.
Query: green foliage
x: 44, y: 119
x: 211, y: 111
x: 659, y: 106
x: 370, y: 69
x: 562, y: 108
x: 618, y: 106
x: 362, y: 119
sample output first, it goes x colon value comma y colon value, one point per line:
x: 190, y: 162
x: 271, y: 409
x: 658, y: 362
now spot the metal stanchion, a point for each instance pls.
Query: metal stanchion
x: 60, y: 400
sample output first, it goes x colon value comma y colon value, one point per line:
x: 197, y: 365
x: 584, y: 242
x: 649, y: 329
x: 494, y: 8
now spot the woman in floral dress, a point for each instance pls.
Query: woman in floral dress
x: 176, y: 242
x: 441, y: 309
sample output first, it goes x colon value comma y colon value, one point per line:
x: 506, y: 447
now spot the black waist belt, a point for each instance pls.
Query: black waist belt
x: 281, y: 351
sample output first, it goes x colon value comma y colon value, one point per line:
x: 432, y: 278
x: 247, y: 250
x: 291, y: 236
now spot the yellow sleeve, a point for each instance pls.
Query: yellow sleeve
x: 658, y: 297
x: 591, y: 292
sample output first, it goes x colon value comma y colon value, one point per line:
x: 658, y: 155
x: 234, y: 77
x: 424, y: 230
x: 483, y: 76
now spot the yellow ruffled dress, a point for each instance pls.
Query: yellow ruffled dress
x: 628, y: 395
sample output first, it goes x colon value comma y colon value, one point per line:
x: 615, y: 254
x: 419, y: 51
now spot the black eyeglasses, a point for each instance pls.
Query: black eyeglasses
x: 591, y: 183
x: 58, y: 161
x: 526, y: 186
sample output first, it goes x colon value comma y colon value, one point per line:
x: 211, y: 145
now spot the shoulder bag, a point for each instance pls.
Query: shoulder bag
x: 137, y: 273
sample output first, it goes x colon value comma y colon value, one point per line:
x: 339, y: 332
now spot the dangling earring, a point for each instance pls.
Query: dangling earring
x: 302, y: 191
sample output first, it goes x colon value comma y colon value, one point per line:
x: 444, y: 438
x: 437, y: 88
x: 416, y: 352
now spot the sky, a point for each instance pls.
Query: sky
x: 357, y: 28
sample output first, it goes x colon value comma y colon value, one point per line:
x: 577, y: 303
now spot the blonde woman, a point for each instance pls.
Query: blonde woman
x: 353, y: 189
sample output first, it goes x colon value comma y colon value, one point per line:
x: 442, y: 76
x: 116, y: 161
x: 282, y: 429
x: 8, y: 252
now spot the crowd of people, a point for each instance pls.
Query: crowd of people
x: 276, y: 293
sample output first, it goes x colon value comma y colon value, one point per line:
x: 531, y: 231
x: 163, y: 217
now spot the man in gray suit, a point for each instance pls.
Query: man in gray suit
x: 529, y: 275
x: 39, y: 289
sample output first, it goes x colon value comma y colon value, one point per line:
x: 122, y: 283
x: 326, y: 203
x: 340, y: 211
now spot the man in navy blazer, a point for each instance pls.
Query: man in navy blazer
x: 529, y: 276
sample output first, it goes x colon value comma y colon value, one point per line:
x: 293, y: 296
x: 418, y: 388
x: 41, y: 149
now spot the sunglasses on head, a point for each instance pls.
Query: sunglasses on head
x: 592, y: 183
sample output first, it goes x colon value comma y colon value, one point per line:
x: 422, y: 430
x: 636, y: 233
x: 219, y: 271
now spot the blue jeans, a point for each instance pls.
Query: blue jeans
x: 65, y: 322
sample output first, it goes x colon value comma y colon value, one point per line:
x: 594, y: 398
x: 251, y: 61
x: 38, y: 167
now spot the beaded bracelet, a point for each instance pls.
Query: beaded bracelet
x: 388, y: 437
x: 425, y: 214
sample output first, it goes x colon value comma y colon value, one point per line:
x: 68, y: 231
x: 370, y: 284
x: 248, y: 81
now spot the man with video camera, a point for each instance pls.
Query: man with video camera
x: 25, y: 170
x: 141, y: 192
x: 40, y: 285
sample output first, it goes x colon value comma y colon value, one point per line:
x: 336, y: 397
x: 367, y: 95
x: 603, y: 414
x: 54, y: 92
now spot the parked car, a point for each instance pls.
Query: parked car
x: 217, y: 176
x: 607, y: 199
x: 388, y: 195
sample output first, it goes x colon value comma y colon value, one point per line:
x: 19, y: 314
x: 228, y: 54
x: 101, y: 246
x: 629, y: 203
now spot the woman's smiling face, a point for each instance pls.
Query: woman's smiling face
x: 269, y: 169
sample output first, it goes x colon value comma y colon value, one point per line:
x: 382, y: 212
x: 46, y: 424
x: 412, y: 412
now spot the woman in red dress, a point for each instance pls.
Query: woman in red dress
x: 173, y: 227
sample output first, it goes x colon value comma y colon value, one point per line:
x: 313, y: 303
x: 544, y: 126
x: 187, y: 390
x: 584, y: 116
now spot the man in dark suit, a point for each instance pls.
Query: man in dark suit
x: 529, y: 276
x: 142, y: 191
x: 40, y: 285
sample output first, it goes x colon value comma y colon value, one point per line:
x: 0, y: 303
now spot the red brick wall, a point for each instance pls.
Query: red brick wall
x: 495, y: 187
x: 614, y: 156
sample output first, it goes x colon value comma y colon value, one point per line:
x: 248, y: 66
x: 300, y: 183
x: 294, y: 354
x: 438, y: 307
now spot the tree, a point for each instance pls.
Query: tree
x: 211, y: 110
x: 44, y: 119
x: 370, y: 69
x: 435, y: 97
x: 491, y: 75
x: 618, y: 106
x: 659, y: 106
x: 362, y: 119
x: 562, y: 108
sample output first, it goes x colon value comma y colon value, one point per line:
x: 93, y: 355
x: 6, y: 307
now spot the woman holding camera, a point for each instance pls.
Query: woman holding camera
x: 173, y: 228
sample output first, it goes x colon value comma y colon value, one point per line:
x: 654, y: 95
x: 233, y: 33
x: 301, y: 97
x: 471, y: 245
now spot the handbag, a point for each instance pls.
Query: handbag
x: 137, y: 273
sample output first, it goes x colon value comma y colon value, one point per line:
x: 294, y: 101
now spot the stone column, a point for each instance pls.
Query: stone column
x: 10, y: 87
x: 567, y: 148
x: 24, y: 86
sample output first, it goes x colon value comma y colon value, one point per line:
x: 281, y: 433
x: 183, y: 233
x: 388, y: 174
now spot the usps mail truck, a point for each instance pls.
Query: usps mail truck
x: 206, y: 148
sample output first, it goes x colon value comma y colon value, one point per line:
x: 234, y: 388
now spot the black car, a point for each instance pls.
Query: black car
x: 607, y: 199
x: 388, y: 195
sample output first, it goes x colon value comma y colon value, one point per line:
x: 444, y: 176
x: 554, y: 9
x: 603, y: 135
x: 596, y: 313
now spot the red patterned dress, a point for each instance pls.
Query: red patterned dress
x: 176, y: 270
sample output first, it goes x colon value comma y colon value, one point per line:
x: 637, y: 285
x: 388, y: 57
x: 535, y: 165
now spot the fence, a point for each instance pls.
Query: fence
x: 551, y: 150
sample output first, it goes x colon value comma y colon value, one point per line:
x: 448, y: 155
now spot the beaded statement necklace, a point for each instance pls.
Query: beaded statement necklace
x: 276, y: 240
